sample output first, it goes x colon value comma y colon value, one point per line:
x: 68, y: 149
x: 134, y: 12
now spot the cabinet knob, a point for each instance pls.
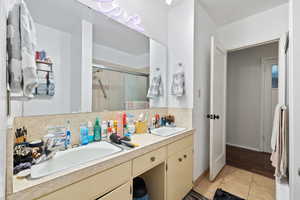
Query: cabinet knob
x: 185, y: 156
x: 180, y: 159
x: 152, y: 159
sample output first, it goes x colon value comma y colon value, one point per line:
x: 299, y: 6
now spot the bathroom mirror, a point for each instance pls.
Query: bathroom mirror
x: 92, y: 62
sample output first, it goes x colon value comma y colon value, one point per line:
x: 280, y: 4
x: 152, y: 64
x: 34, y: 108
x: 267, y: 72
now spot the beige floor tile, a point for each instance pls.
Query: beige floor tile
x: 262, y: 189
x: 264, y: 182
x: 227, y: 170
x: 240, y: 190
x: 239, y: 176
x: 240, y: 183
x: 207, y: 188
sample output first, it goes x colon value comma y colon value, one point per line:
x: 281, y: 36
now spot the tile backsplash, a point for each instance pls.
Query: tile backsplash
x: 37, y: 125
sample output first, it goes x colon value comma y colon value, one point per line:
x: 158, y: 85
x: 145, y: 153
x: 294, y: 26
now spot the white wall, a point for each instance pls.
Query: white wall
x: 3, y: 105
x: 244, y: 85
x: 159, y: 59
x: 294, y: 88
x: 104, y: 53
x: 57, y: 44
x: 262, y: 27
x: 181, y: 49
x: 202, y: 86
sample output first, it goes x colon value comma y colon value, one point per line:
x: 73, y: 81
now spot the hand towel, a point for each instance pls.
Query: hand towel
x: 21, y: 46
x: 279, y: 156
x: 156, y: 87
x: 275, y: 129
x: 178, y: 84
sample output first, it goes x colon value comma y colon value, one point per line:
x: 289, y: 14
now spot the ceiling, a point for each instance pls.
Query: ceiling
x: 227, y: 11
x: 66, y: 15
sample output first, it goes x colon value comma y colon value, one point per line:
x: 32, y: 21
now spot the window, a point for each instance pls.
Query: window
x: 274, y: 76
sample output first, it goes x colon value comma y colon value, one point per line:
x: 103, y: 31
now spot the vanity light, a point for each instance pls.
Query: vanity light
x: 112, y: 9
x: 169, y: 2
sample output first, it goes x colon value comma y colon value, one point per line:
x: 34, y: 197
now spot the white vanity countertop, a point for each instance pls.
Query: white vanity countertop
x: 24, y: 189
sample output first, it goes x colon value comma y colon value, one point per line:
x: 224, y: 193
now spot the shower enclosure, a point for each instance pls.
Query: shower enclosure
x: 117, y: 89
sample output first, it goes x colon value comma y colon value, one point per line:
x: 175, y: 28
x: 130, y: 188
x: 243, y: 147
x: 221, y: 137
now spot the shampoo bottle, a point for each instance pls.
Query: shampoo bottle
x: 84, y: 135
x: 97, y: 130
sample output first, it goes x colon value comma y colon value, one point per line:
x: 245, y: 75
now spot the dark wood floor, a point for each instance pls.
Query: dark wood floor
x: 257, y: 162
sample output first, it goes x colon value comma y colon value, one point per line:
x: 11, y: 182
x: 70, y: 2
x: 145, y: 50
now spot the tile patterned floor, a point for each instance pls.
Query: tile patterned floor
x: 239, y: 182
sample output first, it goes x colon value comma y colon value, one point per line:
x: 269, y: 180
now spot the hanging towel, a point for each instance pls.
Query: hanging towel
x: 275, y: 129
x: 178, y: 84
x: 279, y: 155
x: 21, y: 46
x: 156, y: 87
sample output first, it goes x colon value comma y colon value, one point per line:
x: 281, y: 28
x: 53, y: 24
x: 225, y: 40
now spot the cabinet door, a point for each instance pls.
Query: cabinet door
x: 180, y: 174
x: 121, y: 193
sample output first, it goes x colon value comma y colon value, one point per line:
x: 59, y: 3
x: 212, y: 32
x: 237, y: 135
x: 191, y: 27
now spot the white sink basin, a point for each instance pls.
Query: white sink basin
x: 70, y: 158
x: 167, y: 131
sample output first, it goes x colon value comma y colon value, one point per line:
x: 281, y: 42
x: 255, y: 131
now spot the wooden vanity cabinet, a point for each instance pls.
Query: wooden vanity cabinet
x: 124, y: 192
x: 168, y: 171
x: 96, y: 186
x: 180, y: 169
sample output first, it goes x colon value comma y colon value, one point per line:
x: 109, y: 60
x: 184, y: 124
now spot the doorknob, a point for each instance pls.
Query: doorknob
x: 213, y: 116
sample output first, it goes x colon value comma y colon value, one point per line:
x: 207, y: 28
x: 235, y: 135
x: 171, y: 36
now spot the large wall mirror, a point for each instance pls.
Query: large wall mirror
x: 88, y: 62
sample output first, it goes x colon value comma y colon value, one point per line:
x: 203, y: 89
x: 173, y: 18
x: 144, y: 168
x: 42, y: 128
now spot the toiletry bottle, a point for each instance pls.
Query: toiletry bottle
x: 109, y: 129
x: 104, y: 130
x: 115, y: 127
x: 68, y: 142
x: 124, y: 123
x: 91, y: 131
x: 120, y: 124
x: 84, y: 137
x: 97, y: 130
x: 130, y: 124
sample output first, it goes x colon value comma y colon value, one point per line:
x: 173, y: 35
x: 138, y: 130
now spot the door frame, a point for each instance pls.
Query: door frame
x: 264, y: 61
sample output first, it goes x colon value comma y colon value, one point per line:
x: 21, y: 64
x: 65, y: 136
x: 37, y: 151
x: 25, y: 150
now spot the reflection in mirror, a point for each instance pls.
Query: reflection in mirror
x: 91, y: 62
x: 120, y: 66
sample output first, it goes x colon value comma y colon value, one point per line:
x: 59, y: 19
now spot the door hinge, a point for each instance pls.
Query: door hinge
x: 166, y: 167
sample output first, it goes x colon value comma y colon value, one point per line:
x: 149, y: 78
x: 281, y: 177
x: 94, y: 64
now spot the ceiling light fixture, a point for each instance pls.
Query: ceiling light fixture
x: 169, y: 2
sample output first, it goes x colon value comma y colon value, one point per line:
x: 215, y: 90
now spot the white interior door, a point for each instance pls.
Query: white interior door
x: 270, y: 100
x: 217, y: 114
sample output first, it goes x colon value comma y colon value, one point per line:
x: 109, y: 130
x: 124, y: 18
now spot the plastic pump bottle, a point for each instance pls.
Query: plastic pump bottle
x: 97, y: 130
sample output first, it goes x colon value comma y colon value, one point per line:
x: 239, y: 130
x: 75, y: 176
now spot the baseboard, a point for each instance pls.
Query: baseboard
x: 244, y: 147
x: 201, y: 177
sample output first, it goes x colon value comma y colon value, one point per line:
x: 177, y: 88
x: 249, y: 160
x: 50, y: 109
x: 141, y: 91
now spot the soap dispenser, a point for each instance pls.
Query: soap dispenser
x: 97, y: 130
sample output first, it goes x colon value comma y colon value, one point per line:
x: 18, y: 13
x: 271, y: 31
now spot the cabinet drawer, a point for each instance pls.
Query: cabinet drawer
x: 180, y: 145
x: 95, y: 186
x: 123, y: 192
x: 148, y: 161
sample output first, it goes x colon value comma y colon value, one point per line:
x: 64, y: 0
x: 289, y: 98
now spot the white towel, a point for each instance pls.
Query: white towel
x: 275, y: 129
x: 21, y: 46
x: 156, y: 87
x: 279, y: 156
x: 178, y: 84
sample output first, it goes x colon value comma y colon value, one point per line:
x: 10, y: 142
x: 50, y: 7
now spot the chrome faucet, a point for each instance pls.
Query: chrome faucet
x: 53, y: 142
